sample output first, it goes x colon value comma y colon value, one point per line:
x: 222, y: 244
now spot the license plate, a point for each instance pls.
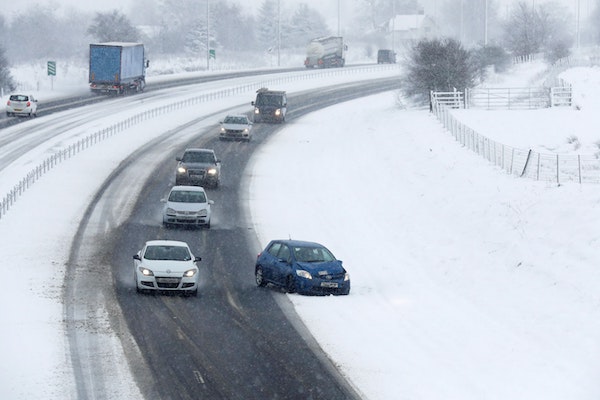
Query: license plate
x: 329, y: 284
x: 167, y: 280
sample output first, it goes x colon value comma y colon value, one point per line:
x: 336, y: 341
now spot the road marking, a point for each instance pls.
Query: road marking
x: 199, y: 377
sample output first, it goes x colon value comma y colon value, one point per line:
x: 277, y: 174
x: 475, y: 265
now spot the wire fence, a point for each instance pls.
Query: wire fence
x: 92, y: 139
x: 557, y: 168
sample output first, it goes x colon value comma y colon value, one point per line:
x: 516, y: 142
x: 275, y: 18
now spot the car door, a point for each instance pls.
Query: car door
x: 268, y: 261
x: 283, y: 265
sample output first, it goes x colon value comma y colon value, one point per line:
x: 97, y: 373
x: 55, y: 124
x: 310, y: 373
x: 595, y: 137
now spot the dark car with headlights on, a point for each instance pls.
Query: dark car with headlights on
x: 198, y: 167
x: 270, y: 105
x: 302, y: 267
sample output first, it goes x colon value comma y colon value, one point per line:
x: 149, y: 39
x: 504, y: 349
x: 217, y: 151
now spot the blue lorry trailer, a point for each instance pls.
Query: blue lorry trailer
x: 117, y: 67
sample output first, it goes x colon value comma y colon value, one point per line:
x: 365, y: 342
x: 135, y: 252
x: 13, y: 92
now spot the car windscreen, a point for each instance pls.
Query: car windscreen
x: 187, y: 196
x: 198, y: 157
x: 312, y: 254
x: 165, y: 252
x: 268, y: 100
x: 236, y: 120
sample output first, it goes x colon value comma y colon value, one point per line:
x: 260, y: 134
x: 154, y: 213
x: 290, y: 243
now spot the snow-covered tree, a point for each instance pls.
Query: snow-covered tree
x: 267, y: 28
x: 306, y: 24
x: 6, y: 80
x: 532, y: 30
x: 233, y: 29
x: 113, y: 27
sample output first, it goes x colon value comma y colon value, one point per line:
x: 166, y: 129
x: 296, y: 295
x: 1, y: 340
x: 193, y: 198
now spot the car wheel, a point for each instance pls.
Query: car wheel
x: 290, y: 284
x: 258, y: 276
x: 207, y: 226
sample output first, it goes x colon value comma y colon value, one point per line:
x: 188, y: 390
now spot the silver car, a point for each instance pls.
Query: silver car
x: 187, y: 205
x: 166, y: 265
x: 22, y: 105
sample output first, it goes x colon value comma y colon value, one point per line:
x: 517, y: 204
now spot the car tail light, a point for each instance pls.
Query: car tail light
x: 28, y: 104
x: 8, y: 103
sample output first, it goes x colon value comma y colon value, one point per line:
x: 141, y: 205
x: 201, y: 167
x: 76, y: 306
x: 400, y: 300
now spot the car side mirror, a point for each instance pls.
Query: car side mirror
x: 211, y: 202
x: 197, y: 259
x: 251, y: 103
x: 137, y: 257
x: 177, y: 158
x: 163, y: 200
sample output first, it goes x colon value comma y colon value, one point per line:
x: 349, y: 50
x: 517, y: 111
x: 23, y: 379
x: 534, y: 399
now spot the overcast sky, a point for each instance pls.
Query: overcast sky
x: 329, y: 8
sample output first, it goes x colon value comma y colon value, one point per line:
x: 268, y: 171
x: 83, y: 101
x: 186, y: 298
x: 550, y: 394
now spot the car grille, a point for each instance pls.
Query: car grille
x: 197, y: 172
x: 167, y: 283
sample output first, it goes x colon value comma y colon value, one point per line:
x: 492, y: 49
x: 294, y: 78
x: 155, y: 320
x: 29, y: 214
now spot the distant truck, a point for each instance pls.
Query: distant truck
x: 117, y: 67
x: 326, y: 52
x: 385, y: 56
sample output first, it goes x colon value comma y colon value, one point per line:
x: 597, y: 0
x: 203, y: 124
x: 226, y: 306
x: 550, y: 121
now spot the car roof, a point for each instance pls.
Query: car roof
x: 236, y: 116
x: 196, y: 150
x: 188, y: 188
x: 298, y: 243
x: 166, y: 243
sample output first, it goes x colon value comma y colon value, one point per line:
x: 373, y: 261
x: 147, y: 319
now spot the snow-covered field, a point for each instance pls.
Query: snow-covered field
x: 467, y: 283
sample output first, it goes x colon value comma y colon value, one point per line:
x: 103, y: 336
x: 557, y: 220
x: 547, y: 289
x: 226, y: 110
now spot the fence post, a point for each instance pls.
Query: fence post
x: 557, y: 171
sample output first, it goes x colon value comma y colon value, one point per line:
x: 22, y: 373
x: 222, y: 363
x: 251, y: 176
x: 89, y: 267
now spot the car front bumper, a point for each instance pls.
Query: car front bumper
x: 322, y: 286
x: 185, y: 220
x: 167, y: 283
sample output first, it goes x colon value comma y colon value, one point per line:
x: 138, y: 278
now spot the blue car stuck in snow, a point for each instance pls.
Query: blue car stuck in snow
x: 302, y: 267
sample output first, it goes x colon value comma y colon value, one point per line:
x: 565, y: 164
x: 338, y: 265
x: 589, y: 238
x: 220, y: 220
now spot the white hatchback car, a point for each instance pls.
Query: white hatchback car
x: 187, y: 205
x: 236, y: 127
x: 21, y: 104
x: 166, y: 265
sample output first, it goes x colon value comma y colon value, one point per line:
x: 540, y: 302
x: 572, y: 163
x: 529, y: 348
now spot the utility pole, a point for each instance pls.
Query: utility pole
x: 338, y: 21
x: 485, y: 33
x: 278, y: 33
x: 207, y: 36
x: 577, y: 28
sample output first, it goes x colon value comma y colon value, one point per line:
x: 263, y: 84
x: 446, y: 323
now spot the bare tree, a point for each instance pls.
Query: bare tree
x: 439, y: 65
x: 113, y: 27
x: 530, y: 30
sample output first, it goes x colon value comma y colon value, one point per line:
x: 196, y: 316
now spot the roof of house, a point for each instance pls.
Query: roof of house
x: 406, y: 22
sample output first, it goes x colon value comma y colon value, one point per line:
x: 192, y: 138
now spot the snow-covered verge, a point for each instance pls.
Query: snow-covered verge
x: 467, y: 283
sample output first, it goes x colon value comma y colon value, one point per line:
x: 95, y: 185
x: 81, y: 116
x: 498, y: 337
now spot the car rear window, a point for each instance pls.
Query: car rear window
x: 19, y: 97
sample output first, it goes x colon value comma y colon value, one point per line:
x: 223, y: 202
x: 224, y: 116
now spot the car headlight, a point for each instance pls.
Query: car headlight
x: 303, y: 274
x: 256, y: 110
x: 145, y: 271
x: 346, y: 277
x: 181, y: 170
x: 222, y: 130
x: 171, y: 211
x: 203, y: 213
x: 190, y: 272
x: 212, y: 171
x: 246, y: 130
x: 278, y: 112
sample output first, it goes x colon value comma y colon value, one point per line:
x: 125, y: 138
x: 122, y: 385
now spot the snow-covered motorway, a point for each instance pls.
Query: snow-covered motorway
x: 180, y: 346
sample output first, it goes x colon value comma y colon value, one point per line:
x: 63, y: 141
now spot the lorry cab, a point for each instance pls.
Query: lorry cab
x: 385, y: 56
x: 270, y: 105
